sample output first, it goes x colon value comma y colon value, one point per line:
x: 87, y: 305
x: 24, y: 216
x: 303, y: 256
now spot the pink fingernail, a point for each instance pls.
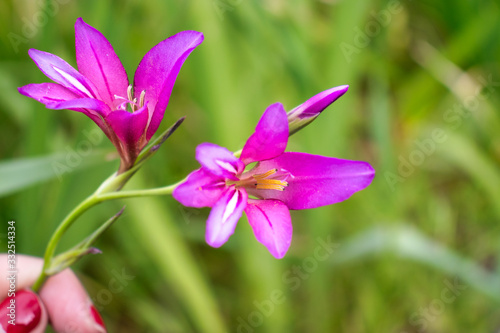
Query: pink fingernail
x: 20, y: 312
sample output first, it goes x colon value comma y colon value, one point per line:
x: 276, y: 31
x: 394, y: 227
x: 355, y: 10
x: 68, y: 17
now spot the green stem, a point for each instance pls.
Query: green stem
x: 89, y: 202
x: 167, y: 190
x: 56, y: 237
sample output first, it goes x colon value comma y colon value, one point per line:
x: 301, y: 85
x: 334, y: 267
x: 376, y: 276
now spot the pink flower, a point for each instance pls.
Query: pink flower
x: 280, y: 181
x: 100, y: 88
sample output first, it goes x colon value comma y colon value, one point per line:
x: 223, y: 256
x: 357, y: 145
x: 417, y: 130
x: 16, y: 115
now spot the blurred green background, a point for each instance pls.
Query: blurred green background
x: 417, y: 251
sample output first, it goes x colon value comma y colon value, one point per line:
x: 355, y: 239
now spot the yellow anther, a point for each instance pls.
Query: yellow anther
x: 270, y: 187
x: 265, y: 175
x: 272, y: 182
x: 263, y: 183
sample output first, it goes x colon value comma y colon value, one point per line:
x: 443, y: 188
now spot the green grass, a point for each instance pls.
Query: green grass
x: 399, y: 243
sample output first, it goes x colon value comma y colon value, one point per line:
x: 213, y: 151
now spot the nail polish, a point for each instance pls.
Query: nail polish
x: 97, y: 317
x: 22, y: 309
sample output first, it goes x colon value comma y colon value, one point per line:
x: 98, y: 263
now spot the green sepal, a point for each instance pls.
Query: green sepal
x: 296, y: 124
x: 116, y: 181
x: 68, y: 258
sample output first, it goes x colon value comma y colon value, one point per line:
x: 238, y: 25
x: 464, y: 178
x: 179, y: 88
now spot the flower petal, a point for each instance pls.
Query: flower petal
x: 86, y: 105
x: 158, y: 70
x: 201, y: 189
x: 92, y: 108
x: 270, y: 137
x: 224, y: 216
x: 219, y: 161
x: 61, y: 72
x: 271, y: 224
x: 47, y: 92
x: 129, y: 127
x: 316, y: 104
x: 98, y: 61
x: 315, y: 180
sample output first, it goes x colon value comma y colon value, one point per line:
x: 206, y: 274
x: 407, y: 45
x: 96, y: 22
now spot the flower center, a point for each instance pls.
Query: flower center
x: 263, y: 181
x: 130, y: 101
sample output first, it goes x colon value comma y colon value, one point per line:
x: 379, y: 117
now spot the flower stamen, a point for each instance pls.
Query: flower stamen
x: 271, y: 184
x: 261, y: 182
x: 129, y: 93
x: 141, y: 98
x: 265, y: 183
x: 130, y: 102
x: 265, y: 175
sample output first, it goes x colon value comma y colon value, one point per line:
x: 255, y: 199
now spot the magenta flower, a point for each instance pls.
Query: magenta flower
x: 128, y: 115
x: 277, y: 183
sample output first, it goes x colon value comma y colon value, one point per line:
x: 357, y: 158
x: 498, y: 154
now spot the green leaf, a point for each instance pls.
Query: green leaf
x: 409, y: 243
x: 21, y: 173
x: 156, y: 144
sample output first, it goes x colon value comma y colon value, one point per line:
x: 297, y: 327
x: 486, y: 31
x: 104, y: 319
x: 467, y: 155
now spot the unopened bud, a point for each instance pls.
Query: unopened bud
x: 306, y: 112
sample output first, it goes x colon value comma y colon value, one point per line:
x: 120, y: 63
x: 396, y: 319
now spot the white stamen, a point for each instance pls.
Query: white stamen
x: 231, y: 206
x: 73, y: 81
x: 129, y: 92
x: 226, y: 166
x: 141, y: 98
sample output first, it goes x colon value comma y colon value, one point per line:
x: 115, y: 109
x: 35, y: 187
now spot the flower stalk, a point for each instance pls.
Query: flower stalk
x: 110, y: 189
x: 86, y: 204
x: 51, y: 267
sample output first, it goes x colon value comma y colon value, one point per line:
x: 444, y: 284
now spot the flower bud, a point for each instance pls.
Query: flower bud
x: 306, y: 112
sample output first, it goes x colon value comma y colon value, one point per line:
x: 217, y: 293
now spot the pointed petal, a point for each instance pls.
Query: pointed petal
x: 219, y: 161
x: 315, y: 180
x: 57, y: 97
x: 98, y: 62
x: 316, y: 104
x: 224, y: 216
x: 47, y: 92
x: 129, y: 127
x: 270, y: 137
x: 201, y: 189
x: 271, y: 224
x: 158, y: 70
x: 61, y: 72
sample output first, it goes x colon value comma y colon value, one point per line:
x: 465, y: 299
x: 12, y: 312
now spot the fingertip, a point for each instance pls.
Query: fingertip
x: 27, y: 270
x: 68, y: 305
